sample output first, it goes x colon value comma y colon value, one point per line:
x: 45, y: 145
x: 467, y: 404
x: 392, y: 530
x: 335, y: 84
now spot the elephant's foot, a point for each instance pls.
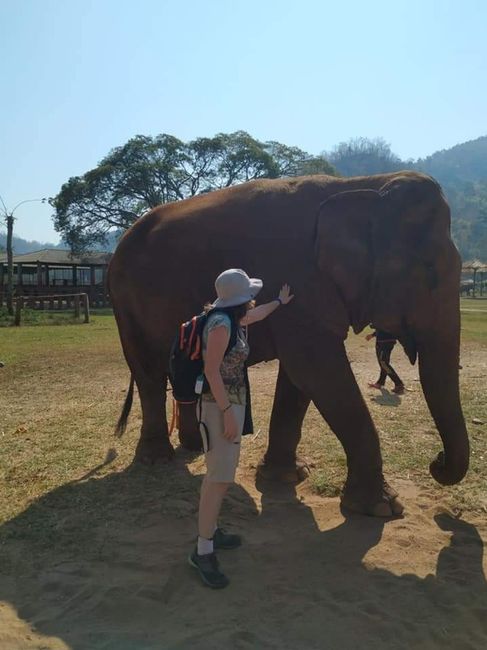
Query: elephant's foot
x: 295, y: 473
x: 385, y: 503
x: 152, y: 450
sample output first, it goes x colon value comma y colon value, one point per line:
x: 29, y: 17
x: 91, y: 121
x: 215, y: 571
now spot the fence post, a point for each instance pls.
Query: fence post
x: 76, y: 306
x: 19, y: 303
x: 86, y: 305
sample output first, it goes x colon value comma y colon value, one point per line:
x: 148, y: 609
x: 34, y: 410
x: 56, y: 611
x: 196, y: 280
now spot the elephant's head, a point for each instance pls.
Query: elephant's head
x: 391, y: 259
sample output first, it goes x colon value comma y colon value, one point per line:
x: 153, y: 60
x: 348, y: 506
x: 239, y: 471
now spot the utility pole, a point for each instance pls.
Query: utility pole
x: 9, y: 219
x: 10, y: 264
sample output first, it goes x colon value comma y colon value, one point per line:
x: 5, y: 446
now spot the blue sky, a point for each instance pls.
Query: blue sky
x: 79, y: 77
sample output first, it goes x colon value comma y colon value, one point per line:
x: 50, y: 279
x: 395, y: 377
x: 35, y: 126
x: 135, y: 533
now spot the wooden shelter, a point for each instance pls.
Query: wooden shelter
x: 53, y: 271
x: 477, y: 270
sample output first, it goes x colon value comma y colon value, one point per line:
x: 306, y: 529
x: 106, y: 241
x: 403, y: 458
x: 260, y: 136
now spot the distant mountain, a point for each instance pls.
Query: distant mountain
x: 463, y: 163
x: 461, y: 171
x: 21, y: 245
x: 25, y: 246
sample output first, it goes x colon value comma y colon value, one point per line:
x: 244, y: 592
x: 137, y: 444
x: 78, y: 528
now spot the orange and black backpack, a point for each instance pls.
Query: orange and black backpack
x: 186, y: 358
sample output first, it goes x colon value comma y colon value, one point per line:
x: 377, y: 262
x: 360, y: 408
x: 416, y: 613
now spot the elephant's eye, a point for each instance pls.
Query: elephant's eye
x: 431, y: 275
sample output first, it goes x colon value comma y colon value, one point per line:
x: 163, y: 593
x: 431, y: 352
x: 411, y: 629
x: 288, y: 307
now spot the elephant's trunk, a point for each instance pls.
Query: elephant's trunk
x: 438, y: 369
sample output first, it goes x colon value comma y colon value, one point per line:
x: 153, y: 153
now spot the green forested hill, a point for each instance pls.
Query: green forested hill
x: 21, y: 245
x: 461, y: 171
x: 464, y: 163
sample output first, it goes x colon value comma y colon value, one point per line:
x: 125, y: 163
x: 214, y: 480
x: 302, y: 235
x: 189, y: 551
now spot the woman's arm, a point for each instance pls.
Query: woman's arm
x: 217, y: 343
x: 259, y: 313
x: 262, y: 311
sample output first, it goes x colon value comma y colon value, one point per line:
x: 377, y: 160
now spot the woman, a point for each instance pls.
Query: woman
x: 223, y: 408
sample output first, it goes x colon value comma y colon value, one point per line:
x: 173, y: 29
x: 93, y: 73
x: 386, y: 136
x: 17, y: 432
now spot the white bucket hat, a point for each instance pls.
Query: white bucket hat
x: 234, y: 287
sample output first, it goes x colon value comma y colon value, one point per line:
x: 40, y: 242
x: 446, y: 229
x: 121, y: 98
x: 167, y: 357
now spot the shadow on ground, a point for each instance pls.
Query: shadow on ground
x: 386, y: 398
x: 101, y: 564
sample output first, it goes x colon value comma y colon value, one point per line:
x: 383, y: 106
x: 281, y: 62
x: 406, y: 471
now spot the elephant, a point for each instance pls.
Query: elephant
x: 356, y: 251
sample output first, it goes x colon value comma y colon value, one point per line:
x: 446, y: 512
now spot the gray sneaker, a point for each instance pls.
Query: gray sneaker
x: 207, y: 567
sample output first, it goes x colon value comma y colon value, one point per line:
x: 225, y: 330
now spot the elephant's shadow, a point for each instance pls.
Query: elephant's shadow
x: 101, y: 564
x: 363, y: 606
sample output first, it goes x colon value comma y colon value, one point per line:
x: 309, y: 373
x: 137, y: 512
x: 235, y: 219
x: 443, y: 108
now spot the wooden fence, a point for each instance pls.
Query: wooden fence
x: 98, y: 295
x: 61, y: 301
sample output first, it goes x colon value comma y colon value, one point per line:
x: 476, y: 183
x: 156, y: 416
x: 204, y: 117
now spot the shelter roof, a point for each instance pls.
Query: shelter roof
x: 58, y: 256
x: 474, y: 265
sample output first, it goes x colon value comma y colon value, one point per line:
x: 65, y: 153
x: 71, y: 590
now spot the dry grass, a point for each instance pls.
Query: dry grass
x: 62, y: 389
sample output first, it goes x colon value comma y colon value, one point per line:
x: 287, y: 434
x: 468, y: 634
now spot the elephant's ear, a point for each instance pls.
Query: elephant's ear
x: 345, y: 233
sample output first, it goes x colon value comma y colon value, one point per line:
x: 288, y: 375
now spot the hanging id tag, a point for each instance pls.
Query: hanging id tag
x: 198, y: 387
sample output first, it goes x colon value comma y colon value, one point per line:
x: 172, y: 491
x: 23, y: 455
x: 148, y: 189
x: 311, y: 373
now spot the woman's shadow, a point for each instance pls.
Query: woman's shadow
x: 101, y: 563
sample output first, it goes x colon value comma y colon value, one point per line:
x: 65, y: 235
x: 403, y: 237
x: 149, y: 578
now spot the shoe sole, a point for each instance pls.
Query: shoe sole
x: 205, y: 581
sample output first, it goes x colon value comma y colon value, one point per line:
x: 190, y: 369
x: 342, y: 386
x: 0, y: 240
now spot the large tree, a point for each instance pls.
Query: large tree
x: 362, y: 156
x: 147, y: 171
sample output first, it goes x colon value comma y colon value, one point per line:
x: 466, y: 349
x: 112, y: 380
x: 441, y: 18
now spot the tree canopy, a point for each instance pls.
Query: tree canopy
x: 148, y: 171
x: 361, y: 157
x: 92, y: 209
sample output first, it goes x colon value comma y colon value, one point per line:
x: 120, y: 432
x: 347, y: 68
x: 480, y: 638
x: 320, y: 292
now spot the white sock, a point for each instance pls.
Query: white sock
x: 205, y: 546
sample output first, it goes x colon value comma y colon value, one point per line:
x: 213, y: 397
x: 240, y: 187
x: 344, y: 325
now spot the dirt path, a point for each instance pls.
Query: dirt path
x: 306, y: 578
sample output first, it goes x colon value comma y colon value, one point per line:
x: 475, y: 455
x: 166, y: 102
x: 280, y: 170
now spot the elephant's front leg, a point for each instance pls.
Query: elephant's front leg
x: 319, y: 367
x: 290, y: 406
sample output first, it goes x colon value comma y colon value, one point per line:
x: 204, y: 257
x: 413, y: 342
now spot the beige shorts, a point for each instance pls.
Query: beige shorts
x: 221, y: 455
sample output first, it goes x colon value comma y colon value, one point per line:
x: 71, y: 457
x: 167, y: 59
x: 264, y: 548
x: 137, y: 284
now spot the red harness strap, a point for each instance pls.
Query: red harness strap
x: 175, y: 417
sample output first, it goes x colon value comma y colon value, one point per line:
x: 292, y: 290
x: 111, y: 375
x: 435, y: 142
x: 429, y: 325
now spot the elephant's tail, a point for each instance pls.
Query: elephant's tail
x: 122, y: 421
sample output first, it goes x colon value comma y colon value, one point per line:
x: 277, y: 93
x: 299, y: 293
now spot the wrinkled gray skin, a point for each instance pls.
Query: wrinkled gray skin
x: 355, y: 251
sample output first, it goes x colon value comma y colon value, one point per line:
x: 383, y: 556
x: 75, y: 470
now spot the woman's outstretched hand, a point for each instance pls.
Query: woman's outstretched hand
x: 262, y: 311
x: 285, y: 294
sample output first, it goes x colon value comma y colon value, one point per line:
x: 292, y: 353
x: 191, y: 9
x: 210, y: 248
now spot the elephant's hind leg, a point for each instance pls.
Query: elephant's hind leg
x: 189, y: 434
x: 154, y: 442
x: 145, y: 360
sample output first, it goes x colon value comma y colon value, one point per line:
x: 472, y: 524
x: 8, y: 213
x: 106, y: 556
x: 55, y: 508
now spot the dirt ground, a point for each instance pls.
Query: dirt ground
x: 112, y: 574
